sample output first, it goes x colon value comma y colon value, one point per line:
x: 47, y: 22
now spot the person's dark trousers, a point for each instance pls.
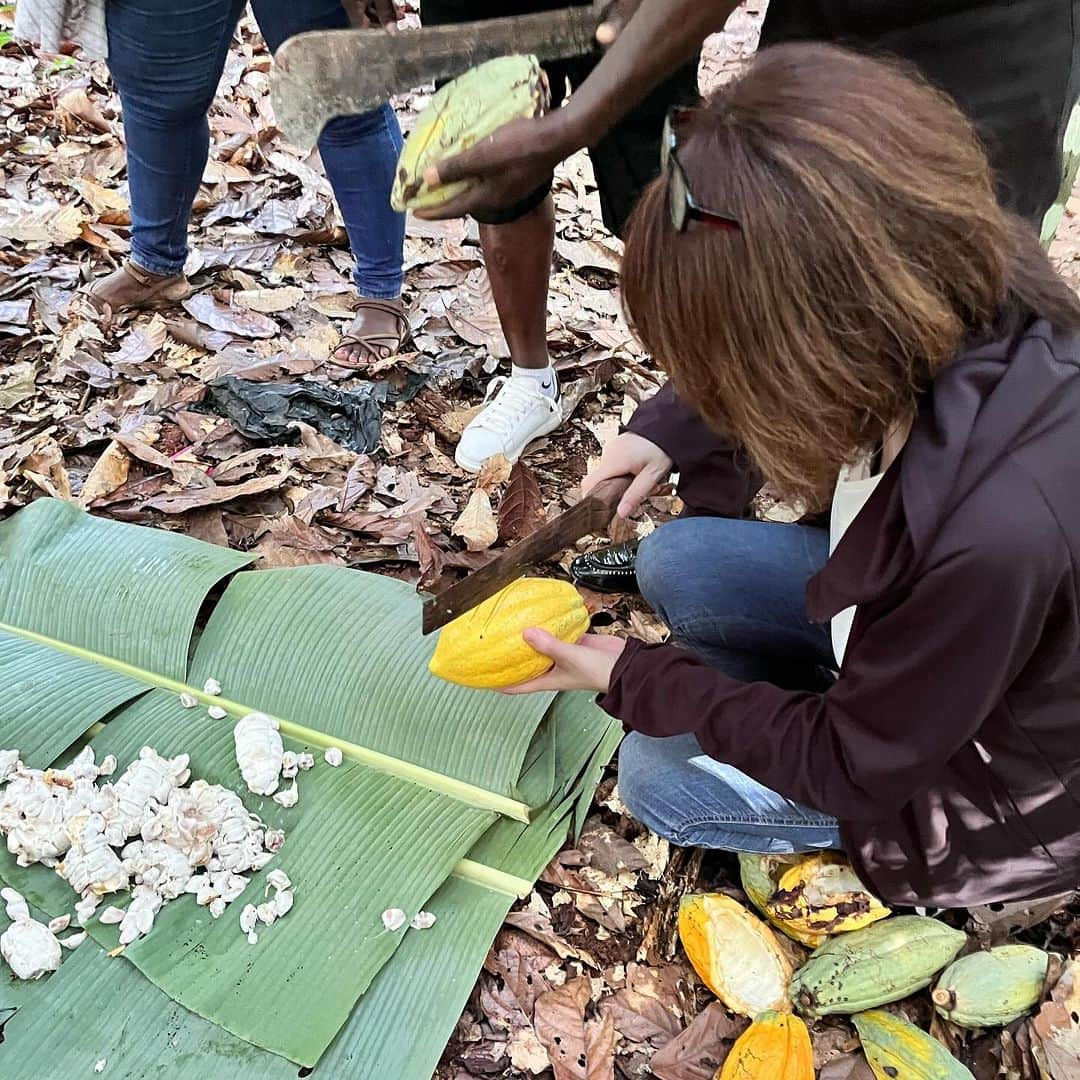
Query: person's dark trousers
x: 166, y: 57
x: 1012, y: 65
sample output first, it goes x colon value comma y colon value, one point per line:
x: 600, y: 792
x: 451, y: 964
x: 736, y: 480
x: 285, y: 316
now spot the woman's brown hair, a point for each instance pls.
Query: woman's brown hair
x: 871, y: 246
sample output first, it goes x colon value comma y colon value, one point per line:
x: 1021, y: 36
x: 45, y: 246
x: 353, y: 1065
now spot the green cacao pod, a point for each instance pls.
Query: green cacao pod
x: 873, y: 966
x: 898, y: 1050
x: 987, y: 989
x: 458, y: 116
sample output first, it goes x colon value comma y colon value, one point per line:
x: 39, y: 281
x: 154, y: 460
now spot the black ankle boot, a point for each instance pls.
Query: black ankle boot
x: 607, y: 570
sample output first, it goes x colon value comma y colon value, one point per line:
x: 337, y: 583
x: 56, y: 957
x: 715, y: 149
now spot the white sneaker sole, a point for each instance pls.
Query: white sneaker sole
x: 473, y: 466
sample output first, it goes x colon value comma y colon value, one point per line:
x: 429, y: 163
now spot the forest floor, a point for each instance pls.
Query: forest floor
x: 154, y: 418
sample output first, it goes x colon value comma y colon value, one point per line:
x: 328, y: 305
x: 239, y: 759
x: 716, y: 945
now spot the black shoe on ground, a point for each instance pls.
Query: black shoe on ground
x: 607, y: 570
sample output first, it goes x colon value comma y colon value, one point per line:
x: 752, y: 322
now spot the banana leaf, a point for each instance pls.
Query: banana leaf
x: 399, y: 1028
x: 1070, y: 170
x: 336, y: 655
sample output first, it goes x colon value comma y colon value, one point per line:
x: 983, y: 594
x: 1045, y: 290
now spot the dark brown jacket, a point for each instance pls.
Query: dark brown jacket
x: 949, y: 747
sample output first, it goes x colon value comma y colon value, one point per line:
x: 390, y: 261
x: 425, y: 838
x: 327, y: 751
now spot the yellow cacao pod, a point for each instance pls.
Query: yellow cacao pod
x: 776, y: 1046
x: 987, y: 989
x: 484, y: 647
x: 873, y: 966
x: 735, y: 954
x: 760, y: 875
x: 898, y: 1050
x: 458, y: 116
x: 823, y: 895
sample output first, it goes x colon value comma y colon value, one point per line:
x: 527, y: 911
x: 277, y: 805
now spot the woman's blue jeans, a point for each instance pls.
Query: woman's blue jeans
x: 733, y: 592
x: 166, y: 57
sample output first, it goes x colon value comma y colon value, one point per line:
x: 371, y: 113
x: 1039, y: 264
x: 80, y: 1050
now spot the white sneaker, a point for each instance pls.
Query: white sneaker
x: 515, y: 412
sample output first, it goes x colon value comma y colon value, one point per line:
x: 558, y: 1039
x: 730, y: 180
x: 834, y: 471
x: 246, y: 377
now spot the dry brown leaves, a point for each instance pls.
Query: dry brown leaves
x: 109, y: 412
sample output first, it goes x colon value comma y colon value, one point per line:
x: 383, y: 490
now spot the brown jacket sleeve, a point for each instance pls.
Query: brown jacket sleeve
x: 714, y: 476
x: 917, y: 684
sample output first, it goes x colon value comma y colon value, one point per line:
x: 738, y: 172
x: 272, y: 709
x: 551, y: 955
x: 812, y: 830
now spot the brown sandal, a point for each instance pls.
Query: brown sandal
x: 160, y: 291
x: 374, y: 343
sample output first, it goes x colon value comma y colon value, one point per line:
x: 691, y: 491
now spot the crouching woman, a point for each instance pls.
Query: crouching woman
x: 824, y: 272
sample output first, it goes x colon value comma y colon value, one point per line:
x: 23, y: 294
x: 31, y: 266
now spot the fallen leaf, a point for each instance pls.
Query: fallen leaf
x: 109, y: 472
x: 521, y: 511
x: 607, y: 851
x: 20, y: 384
x: 539, y: 926
x: 995, y: 923
x: 494, y: 472
x: 290, y: 542
x: 648, y: 1009
x: 699, y: 1051
x: 578, y: 1050
x: 476, y: 525
x: 1055, y: 1029
x: 527, y: 1053
x: 429, y: 557
x: 102, y: 200
x: 15, y: 312
x: 269, y: 301
x: 183, y: 501
x: 845, y: 1067
x: 76, y: 104
x: 54, y: 225
x: 234, y: 320
x: 141, y: 343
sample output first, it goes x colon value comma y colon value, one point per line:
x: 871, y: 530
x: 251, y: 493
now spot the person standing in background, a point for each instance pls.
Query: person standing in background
x: 166, y: 58
x: 1013, y: 67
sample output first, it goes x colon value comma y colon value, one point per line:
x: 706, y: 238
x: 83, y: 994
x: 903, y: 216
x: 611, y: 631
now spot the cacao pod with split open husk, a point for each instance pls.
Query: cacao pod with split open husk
x: 460, y: 114
x: 735, y: 954
x: 760, y: 876
x: 822, y: 894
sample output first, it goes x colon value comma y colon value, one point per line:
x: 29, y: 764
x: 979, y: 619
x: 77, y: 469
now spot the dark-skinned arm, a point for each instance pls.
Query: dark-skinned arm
x: 655, y: 40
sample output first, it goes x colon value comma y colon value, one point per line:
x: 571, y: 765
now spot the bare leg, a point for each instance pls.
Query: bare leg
x: 518, y: 258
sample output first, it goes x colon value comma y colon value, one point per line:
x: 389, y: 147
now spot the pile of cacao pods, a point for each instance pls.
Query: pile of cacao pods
x: 863, y: 959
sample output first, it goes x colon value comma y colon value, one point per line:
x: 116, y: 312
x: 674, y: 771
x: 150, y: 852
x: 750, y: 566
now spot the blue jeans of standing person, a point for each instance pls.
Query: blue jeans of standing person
x: 733, y: 592
x: 166, y: 57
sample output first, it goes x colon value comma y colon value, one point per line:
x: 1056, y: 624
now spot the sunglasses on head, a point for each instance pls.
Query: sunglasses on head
x: 682, y: 205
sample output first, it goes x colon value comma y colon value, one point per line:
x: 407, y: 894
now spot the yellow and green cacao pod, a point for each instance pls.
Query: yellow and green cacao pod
x: 822, y: 894
x: 987, y: 989
x: 735, y: 954
x: 759, y: 874
x: 898, y: 1050
x: 484, y: 647
x: 776, y: 1046
x: 459, y: 115
x: 873, y: 966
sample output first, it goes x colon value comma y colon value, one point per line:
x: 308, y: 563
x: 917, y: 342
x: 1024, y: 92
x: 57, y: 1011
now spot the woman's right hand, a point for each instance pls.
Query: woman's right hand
x: 631, y: 455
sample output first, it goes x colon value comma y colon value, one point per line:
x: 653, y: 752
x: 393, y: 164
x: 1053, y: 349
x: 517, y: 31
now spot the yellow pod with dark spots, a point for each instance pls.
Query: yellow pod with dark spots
x: 484, y: 648
x: 460, y: 114
x: 822, y: 894
x: 760, y: 876
x: 898, y: 1050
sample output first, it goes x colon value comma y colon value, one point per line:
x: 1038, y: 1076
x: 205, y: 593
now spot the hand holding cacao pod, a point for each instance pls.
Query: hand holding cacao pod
x: 462, y: 114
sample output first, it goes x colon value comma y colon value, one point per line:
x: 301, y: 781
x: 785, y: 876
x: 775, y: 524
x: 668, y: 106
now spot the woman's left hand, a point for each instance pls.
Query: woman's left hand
x: 584, y: 666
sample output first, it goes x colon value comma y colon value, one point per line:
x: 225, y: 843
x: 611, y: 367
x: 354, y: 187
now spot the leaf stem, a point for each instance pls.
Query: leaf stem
x: 467, y: 793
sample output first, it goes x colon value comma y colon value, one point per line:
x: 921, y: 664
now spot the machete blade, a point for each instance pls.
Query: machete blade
x: 323, y: 74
